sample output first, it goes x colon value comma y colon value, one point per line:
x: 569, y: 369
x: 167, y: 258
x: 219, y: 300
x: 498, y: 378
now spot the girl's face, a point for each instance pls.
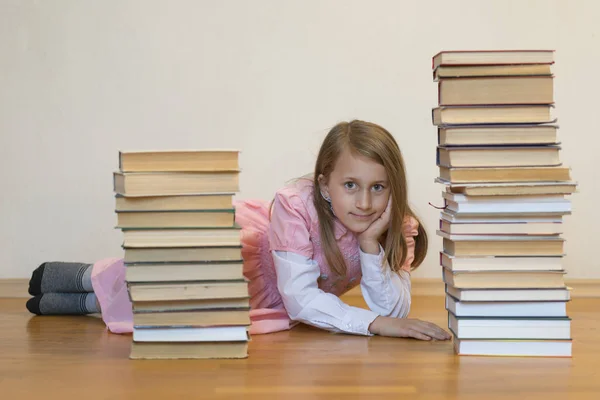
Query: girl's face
x: 359, y: 190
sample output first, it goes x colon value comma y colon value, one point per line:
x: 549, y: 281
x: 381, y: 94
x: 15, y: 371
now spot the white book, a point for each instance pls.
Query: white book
x: 506, y: 308
x: 509, y: 328
x: 520, y: 348
x: 548, y: 207
x: 453, y: 217
x: 522, y: 295
x: 190, y: 334
x: 496, y: 263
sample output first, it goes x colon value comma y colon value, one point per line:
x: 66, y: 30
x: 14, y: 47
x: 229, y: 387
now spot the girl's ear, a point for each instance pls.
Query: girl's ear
x: 323, y: 188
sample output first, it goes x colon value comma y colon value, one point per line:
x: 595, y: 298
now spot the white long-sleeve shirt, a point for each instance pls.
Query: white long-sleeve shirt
x: 386, y: 293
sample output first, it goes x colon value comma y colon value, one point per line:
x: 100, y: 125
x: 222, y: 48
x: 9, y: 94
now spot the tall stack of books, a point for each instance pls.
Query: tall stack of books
x: 504, y: 202
x: 183, y: 253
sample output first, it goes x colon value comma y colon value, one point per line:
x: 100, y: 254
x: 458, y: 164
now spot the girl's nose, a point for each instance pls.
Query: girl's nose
x: 364, y: 200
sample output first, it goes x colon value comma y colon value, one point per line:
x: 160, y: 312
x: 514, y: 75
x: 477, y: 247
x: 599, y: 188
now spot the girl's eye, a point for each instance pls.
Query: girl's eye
x: 349, y: 185
x: 378, y: 187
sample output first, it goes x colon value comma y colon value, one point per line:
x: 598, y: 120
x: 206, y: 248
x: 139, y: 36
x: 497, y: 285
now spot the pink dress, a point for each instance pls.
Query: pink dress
x: 294, y: 228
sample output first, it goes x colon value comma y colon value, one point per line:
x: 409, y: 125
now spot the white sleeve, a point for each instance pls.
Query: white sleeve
x: 297, y: 282
x: 386, y: 292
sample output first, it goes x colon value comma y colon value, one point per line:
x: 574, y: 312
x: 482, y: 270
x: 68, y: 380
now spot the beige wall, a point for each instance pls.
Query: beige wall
x: 80, y: 80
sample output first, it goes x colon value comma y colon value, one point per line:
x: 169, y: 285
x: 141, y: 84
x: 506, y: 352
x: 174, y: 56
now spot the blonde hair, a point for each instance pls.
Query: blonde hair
x: 372, y: 141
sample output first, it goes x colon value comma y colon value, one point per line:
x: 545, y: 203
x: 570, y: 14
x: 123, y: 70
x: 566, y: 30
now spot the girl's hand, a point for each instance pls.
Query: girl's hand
x: 405, y: 327
x: 369, y: 239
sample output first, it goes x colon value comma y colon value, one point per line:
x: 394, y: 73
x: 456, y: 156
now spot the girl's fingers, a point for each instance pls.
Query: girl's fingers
x: 434, y: 331
x: 418, y: 335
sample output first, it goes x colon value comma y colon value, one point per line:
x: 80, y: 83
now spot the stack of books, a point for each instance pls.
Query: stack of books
x: 183, y: 253
x: 504, y: 201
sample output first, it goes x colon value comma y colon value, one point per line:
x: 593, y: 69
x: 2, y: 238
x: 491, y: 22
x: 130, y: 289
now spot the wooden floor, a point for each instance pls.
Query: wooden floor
x: 74, y: 357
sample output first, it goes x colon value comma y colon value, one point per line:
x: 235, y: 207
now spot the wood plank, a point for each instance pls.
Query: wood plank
x: 63, y: 357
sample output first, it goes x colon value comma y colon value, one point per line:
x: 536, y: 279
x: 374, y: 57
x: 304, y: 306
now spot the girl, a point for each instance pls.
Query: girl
x: 348, y: 225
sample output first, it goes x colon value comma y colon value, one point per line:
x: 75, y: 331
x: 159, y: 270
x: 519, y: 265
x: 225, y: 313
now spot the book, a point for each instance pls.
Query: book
x: 163, y: 291
x: 195, y: 237
x: 492, y: 57
x: 509, y: 188
x: 498, y: 156
x: 212, y: 201
x: 495, y: 218
x: 493, y: 135
x: 504, y: 246
x: 518, y: 279
x: 496, y: 90
x: 509, y: 327
x: 520, y: 295
x: 504, y: 174
x: 517, y: 348
x: 178, y: 272
x: 178, y: 160
x: 499, y: 263
x: 492, y: 114
x: 502, y: 228
x: 213, y: 334
x: 176, y: 219
x: 191, y: 305
x: 530, y: 309
x: 464, y: 71
x: 174, y: 183
x: 196, y: 318
x: 509, y: 207
x: 182, y: 254
x: 187, y: 350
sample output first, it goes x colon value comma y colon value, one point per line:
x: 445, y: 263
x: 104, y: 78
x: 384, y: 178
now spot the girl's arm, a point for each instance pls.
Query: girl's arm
x: 386, y: 292
x: 297, y: 282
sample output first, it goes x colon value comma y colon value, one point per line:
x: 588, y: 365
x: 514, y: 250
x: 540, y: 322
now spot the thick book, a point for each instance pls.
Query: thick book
x: 132, y: 184
x: 163, y: 291
x: 496, y: 90
x: 498, y: 156
x: 497, y: 263
x: 192, y: 237
x: 478, y: 245
x: 541, y: 328
x: 505, y: 174
x: 497, y: 135
x: 176, y: 219
x: 492, y: 114
x: 179, y: 160
x: 517, y: 279
x: 178, y: 272
x: 188, y: 350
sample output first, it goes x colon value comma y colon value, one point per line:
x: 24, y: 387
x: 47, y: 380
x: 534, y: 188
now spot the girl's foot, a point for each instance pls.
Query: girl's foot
x: 63, y: 304
x: 61, y: 277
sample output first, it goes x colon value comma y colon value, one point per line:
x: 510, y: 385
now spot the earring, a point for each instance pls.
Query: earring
x: 328, y: 200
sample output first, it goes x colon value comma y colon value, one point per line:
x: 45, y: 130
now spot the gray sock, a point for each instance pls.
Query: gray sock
x: 61, y: 277
x: 63, y: 304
